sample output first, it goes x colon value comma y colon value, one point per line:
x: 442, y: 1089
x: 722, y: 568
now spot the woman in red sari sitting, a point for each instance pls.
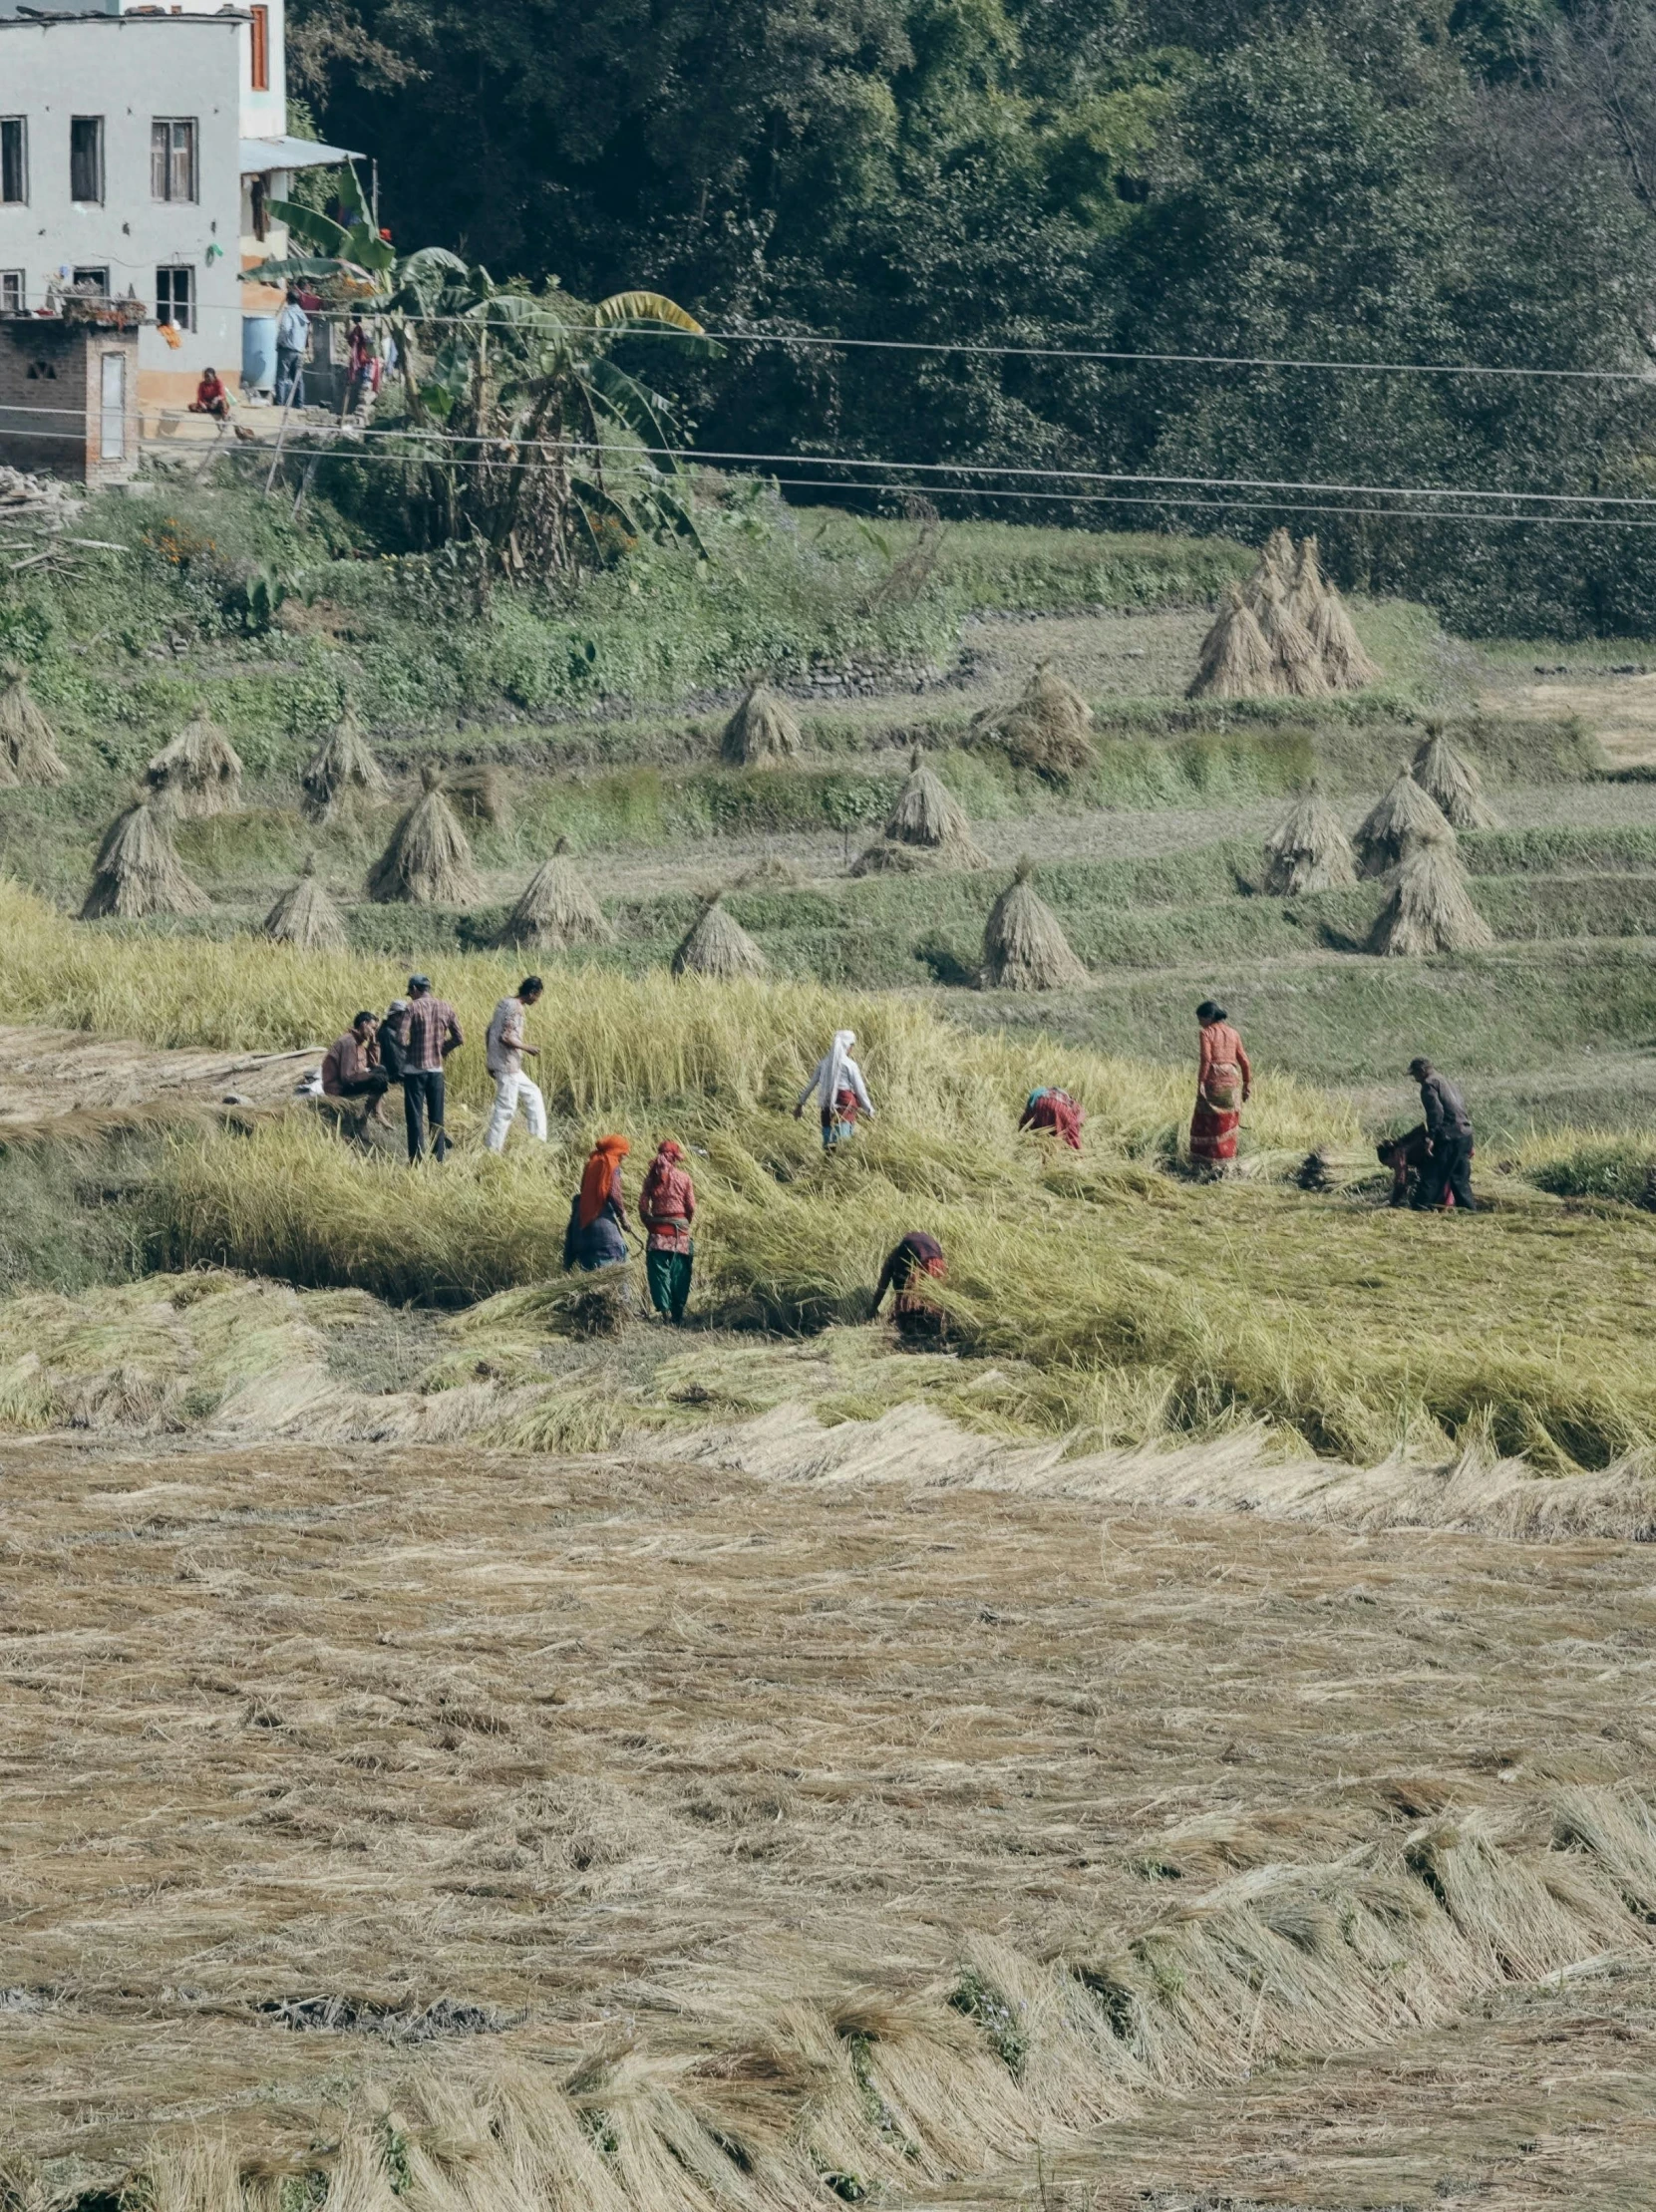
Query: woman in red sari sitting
x: 1224, y: 1084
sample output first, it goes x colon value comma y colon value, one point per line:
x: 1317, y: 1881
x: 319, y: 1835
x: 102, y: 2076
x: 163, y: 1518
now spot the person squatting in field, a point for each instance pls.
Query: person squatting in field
x: 914, y: 1261
x: 503, y: 1053
x: 1050, y: 1111
x: 1448, y: 1133
x: 350, y: 1067
x: 667, y: 1208
x: 596, y: 1235
x: 840, y: 1092
x: 1224, y: 1084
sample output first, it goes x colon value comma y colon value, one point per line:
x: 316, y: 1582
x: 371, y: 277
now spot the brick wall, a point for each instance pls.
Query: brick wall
x: 53, y: 385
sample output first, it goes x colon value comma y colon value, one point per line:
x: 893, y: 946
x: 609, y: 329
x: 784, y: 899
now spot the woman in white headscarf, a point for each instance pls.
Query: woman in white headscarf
x: 840, y: 1092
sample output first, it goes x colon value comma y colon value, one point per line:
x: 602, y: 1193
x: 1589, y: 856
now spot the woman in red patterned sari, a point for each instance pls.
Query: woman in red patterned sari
x: 1224, y: 1081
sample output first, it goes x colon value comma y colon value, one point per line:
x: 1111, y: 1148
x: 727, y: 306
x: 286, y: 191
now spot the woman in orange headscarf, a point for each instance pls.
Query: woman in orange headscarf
x: 598, y: 1215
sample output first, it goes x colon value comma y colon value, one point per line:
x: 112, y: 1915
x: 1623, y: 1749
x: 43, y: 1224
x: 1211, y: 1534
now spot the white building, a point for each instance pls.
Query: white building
x: 138, y: 149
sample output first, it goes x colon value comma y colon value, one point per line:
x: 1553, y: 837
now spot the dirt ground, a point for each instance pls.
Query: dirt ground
x: 1620, y: 711
x: 755, y: 1826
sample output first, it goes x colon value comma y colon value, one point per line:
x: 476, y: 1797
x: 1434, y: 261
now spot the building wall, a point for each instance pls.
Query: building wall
x: 131, y: 69
x: 52, y: 394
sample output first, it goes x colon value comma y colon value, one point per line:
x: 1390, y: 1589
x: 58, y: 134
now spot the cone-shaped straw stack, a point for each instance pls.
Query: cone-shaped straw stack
x: 28, y: 743
x: 342, y: 772
x: 762, y: 729
x: 428, y: 860
x: 717, y: 947
x: 1310, y: 853
x: 479, y: 793
x: 1295, y: 661
x: 557, y: 909
x: 1345, y: 664
x: 138, y: 871
x: 1398, y: 826
x: 1275, y: 565
x: 1235, y: 660
x: 1429, y: 910
x: 926, y: 829
x: 1453, y: 784
x: 1024, y: 946
x: 1045, y: 729
x: 305, y: 915
x: 200, y: 772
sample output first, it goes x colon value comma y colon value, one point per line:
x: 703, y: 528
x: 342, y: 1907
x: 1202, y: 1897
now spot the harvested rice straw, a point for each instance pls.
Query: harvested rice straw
x: 1344, y: 662
x: 138, y: 871
x: 1235, y: 660
x: 717, y: 947
x: 1453, y: 782
x: 429, y: 859
x: 479, y: 793
x: 1310, y: 853
x: 1429, y: 910
x: 556, y: 909
x: 1305, y: 592
x: 762, y: 728
x: 1397, y: 824
x: 343, y: 771
x: 1275, y: 564
x: 1045, y: 729
x: 927, y: 827
x: 306, y: 916
x: 200, y: 772
x: 1295, y: 659
x: 1024, y: 945
x: 28, y: 743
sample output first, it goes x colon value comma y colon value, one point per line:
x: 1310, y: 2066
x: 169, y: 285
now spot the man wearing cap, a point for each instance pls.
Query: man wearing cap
x: 431, y: 1031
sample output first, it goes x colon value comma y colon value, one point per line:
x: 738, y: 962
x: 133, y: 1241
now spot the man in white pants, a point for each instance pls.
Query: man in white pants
x: 506, y: 1050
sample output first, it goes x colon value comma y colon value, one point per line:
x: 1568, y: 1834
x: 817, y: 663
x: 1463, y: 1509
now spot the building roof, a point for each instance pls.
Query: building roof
x: 259, y: 155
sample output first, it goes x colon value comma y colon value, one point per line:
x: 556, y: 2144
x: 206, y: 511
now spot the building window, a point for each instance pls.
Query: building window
x: 176, y: 297
x: 172, y: 157
x: 86, y: 159
x: 95, y: 283
x: 11, y: 291
x: 260, y: 34
x: 14, y: 159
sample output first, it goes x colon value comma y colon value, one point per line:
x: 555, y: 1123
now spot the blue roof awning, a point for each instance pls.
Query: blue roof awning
x: 260, y: 154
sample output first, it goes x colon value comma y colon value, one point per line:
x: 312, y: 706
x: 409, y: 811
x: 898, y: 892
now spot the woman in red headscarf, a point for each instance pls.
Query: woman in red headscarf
x: 667, y: 1208
x: 598, y: 1216
x: 1224, y: 1084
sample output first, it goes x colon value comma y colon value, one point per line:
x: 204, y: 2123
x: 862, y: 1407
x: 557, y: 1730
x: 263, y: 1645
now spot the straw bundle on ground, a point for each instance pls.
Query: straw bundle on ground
x: 1453, y: 784
x: 926, y: 829
x: 1045, y: 729
x: 138, y: 871
x: 1235, y: 660
x: 762, y: 729
x: 1399, y: 825
x: 556, y: 909
x: 200, y: 772
x: 1024, y: 945
x: 479, y: 793
x: 428, y: 860
x: 1429, y: 910
x: 28, y: 743
x: 1295, y: 661
x: 1344, y: 662
x: 342, y: 772
x: 305, y: 916
x: 717, y: 947
x: 1310, y: 853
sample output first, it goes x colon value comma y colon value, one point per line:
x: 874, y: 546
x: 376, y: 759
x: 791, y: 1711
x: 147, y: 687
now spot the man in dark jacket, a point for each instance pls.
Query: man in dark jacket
x: 1448, y: 1138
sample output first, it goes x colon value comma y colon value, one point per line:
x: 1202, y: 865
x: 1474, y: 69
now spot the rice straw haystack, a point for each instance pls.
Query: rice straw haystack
x: 1045, y: 729
x: 1275, y: 565
x: 479, y: 793
x: 926, y: 829
x: 428, y: 860
x: 200, y: 772
x: 138, y: 871
x: 557, y: 909
x: 1345, y: 664
x: 1398, y: 826
x: 717, y: 947
x: 305, y: 916
x: 342, y: 772
x: 1295, y: 661
x: 1310, y: 853
x: 762, y: 729
x: 1235, y: 660
x: 1453, y: 784
x: 1307, y: 585
x: 1429, y: 910
x: 1024, y: 946
x: 28, y: 743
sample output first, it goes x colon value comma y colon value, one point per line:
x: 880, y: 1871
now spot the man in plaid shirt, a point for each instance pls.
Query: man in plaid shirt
x: 431, y: 1031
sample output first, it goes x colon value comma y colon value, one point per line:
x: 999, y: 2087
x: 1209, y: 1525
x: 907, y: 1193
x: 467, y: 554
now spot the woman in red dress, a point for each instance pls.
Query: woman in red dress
x: 1225, y: 1083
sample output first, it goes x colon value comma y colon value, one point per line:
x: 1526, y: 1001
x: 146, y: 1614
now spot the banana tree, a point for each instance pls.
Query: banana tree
x: 528, y: 440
